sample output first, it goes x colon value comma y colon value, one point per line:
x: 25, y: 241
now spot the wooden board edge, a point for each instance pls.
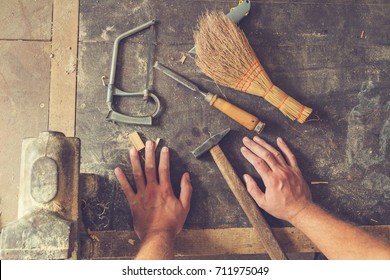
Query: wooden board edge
x: 207, y: 242
x: 62, y: 105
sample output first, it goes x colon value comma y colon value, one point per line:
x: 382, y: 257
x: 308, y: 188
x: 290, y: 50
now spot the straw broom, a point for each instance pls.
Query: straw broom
x: 225, y: 55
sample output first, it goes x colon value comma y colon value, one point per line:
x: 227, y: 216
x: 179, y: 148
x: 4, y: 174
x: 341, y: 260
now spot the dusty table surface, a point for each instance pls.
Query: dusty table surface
x: 330, y: 55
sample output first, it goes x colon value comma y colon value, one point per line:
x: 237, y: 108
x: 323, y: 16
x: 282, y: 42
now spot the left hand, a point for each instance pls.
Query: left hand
x: 154, y: 207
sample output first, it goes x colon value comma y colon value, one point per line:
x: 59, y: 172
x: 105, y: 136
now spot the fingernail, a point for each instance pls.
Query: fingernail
x: 133, y: 151
x: 256, y: 138
x: 246, y: 178
x: 243, y: 149
x: 245, y: 139
x: 186, y: 176
x: 280, y: 139
x: 149, y: 143
x: 117, y: 170
x: 164, y: 149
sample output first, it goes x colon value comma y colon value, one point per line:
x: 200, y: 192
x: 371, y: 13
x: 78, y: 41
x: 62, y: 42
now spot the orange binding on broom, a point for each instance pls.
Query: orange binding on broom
x: 225, y: 55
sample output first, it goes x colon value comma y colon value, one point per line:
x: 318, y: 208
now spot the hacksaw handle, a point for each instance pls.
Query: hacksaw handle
x: 239, y: 115
x: 250, y: 208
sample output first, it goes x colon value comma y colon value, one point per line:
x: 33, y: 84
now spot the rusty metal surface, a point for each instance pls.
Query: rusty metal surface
x: 331, y: 55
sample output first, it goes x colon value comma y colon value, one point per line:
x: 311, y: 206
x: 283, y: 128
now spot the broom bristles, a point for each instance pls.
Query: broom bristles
x: 225, y: 55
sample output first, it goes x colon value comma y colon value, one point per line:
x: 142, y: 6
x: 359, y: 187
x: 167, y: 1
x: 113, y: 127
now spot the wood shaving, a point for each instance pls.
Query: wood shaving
x: 131, y: 241
x: 93, y: 236
x: 183, y: 58
x: 375, y: 221
x: 157, y: 142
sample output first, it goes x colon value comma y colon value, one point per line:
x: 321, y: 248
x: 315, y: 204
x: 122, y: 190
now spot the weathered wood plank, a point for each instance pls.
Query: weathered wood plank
x: 26, y: 19
x: 208, y: 242
x: 64, y: 66
x: 24, y: 98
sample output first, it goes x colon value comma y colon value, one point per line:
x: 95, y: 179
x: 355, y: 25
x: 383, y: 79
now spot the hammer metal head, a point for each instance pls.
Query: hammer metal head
x: 209, y: 143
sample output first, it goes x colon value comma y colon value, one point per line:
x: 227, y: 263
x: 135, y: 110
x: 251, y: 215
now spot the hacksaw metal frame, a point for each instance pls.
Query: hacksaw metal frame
x: 113, y: 91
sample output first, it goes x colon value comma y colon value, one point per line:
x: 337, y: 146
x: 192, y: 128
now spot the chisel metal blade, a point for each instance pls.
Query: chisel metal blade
x: 178, y: 78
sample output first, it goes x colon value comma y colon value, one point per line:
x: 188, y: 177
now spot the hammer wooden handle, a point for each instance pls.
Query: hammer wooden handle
x: 239, y: 115
x: 250, y: 208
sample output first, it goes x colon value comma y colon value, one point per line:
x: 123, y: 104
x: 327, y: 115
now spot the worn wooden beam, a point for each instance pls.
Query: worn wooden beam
x: 63, y: 66
x: 207, y: 242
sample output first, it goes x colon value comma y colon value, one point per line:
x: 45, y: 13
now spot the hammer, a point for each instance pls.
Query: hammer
x: 250, y: 208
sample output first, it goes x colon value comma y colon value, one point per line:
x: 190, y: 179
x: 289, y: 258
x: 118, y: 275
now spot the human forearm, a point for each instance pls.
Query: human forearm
x: 158, y: 216
x: 337, y: 239
x: 157, y: 246
x: 287, y: 196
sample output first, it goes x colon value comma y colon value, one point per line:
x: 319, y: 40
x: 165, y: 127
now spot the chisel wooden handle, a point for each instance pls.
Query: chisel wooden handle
x: 250, y: 208
x: 239, y: 115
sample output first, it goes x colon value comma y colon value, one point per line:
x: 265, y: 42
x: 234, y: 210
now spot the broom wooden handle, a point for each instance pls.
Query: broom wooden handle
x: 250, y: 208
x: 244, y: 118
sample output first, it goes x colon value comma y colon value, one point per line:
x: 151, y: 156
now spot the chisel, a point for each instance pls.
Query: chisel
x: 239, y: 115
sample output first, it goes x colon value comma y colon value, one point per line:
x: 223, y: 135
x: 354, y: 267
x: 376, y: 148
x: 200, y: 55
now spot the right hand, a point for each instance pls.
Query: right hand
x: 287, y: 193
